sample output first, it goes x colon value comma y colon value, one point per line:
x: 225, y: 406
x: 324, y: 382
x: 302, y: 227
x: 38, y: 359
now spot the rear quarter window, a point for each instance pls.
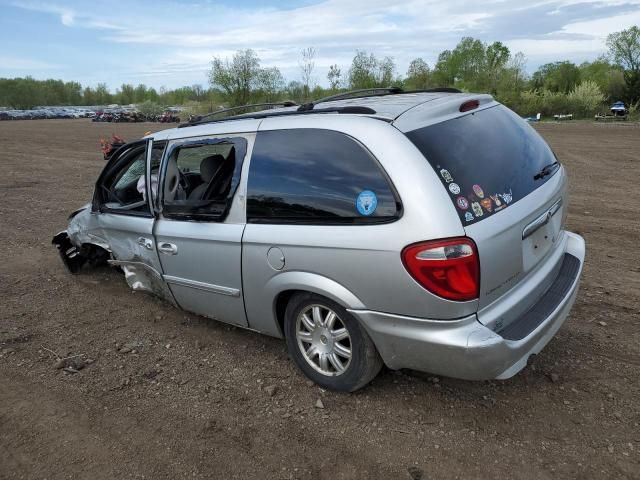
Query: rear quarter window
x: 317, y: 176
x: 486, y: 160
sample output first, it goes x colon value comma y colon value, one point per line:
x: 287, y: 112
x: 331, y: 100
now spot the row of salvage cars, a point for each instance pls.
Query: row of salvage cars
x: 46, y: 113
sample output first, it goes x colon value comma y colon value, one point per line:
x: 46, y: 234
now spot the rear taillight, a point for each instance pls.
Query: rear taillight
x: 448, y: 268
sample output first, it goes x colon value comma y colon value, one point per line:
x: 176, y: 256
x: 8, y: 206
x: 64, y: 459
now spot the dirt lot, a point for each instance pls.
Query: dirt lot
x: 191, y: 401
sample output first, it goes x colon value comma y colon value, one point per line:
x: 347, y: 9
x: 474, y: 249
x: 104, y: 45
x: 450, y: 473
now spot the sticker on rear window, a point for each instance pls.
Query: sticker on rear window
x: 486, y: 204
x: 468, y: 216
x: 366, y: 203
x: 477, y: 209
x: 462, y: 203
x: 454, y: 188
x: 478, y: 191
x: 507, y: 197
x: 446, y: 175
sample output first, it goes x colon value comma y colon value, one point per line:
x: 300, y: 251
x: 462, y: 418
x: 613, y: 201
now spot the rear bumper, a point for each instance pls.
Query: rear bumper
x: 465, y: 348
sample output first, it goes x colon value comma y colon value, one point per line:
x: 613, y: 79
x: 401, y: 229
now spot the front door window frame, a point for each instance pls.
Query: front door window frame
x: 242, y: 146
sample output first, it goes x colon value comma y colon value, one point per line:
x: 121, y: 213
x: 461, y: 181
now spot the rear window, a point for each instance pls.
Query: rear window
x: 486, y: 160
x: 314, y: 176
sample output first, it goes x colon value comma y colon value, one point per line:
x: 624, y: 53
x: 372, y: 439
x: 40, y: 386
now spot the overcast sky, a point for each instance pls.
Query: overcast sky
x: 170, y: 43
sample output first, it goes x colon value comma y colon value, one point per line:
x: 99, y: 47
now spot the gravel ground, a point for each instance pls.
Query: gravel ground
x: 160, y: 393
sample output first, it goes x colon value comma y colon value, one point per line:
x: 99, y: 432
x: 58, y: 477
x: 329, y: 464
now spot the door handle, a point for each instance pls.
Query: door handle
x: 145, y: 242
x: 168, y: 248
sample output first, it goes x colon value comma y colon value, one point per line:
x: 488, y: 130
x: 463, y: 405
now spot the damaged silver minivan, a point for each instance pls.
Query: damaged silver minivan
x: 420, y: 230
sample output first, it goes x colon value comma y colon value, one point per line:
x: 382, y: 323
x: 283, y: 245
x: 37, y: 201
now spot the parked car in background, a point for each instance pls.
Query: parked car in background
x: 420, y: 230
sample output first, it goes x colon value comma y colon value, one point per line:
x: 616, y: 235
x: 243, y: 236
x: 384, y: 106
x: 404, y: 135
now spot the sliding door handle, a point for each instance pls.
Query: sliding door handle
x: 168, y: 248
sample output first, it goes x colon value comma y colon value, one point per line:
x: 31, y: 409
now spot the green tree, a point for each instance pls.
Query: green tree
x: 103, y: 96
x: 557, y: 77
x: 472, y: 65
x: 238, y: 77
x: 126, y: 94
x: 496, y: 57
x: 418, y: 75
x: 624, y: 49
x: 271, y: 83
x: 363, y: 71
x: 386, y: 71
x: 89, y: 96
x: 610, y: 78
x: 295, y: 91
x: 446, y: 69
x: 367, y: 71
x: 469, y: 60
x: 140, y: 93
x: 512, y: 82
x: 586, y: 98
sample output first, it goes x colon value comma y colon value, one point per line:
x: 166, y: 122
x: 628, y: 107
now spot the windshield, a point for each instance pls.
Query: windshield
x: 486, y: 160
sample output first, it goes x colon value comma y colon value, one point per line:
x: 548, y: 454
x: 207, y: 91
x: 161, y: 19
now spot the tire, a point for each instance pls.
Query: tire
x: 309, y: 340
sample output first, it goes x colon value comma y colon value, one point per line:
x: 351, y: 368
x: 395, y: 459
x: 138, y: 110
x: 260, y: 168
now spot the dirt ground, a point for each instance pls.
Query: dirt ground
x: 191, y: 400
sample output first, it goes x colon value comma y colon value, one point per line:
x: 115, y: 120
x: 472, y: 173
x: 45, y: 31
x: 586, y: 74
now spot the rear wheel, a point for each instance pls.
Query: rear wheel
x: 328, y: 344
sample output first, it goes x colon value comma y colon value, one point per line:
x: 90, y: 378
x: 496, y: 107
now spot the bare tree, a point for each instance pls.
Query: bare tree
x: 307, y: 65
x: 334, y: 76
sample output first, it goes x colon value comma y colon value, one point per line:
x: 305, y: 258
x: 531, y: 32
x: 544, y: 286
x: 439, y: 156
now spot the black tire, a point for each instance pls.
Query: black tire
x: 365, y: 362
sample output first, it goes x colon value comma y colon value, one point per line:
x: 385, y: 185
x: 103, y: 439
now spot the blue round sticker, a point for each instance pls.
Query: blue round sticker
x: 366, y: 203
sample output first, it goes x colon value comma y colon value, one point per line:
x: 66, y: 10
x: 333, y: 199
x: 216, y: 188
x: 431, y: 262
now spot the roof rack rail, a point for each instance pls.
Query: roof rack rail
x: 373, y: 92
x: 264, y: 114
x: 363, y: 92
x: 200, y: 118
x: 310, y: 107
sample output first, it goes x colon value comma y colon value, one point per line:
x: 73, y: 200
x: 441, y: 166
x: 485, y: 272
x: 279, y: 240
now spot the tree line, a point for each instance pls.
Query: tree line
x: 26, y: 93
x: 473, y: 65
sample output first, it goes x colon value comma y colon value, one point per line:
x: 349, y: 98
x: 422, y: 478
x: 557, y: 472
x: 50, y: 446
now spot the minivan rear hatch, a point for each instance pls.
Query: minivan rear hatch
x: 507, y: 188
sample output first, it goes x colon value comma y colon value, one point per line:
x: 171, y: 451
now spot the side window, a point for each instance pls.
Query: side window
x: 121, y: 186
x: 316, y: 176
x: 200, y: 178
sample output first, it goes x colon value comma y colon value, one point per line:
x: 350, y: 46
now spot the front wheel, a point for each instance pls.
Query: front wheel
x: 328, y: 344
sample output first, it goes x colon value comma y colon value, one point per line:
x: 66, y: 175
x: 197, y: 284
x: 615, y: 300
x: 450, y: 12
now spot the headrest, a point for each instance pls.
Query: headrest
x: 209, y: 166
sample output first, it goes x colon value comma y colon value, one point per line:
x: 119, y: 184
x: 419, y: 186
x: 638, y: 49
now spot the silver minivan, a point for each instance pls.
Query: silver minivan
x: 420, y: 230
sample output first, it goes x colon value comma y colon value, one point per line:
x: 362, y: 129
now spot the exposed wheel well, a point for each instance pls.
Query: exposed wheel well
x: 281, y: 306
x: 95, y: 254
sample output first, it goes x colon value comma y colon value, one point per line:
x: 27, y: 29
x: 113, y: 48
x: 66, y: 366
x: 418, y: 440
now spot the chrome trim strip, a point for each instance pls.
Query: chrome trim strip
x: 541, y: 220
x: 207, y: 287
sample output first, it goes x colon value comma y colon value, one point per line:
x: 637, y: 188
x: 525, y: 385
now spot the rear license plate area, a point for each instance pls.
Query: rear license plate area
x: 539, y: 243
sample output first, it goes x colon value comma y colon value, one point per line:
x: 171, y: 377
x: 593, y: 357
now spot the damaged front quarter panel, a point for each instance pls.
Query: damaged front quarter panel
x: 84, y: 228
x: 76, y: 245
x: 84, y: 242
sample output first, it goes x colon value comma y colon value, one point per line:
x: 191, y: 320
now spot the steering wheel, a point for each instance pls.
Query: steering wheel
x: 174, y: 183
x: 182, y: 180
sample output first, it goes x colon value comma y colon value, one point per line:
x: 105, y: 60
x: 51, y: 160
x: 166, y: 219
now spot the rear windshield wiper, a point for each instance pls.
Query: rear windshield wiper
x: 546, y: 170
